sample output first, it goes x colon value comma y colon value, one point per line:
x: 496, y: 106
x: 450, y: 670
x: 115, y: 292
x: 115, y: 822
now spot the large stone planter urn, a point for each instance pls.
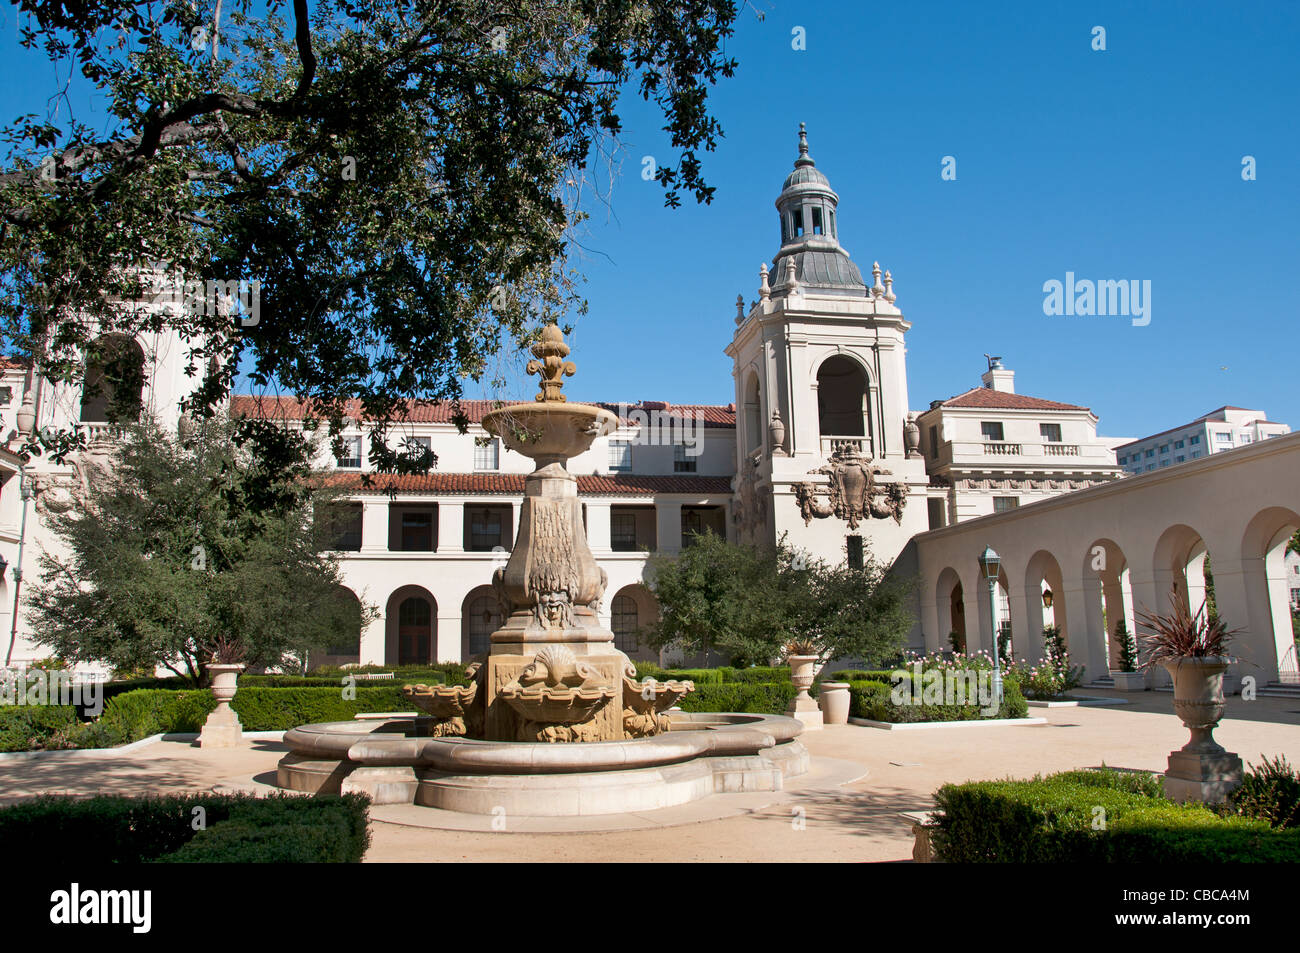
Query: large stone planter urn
x: 222, y: 729
x: 833, y: 699
x: 1201, y: 770
x: 802, y: 673
x: 1129, y: 681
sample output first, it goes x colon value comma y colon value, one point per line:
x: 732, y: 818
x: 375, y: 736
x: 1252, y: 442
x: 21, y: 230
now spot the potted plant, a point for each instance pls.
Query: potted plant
x: 802, y: 655
x: 223, y: 729
x: 1128, y: 678
x: 1192, y: 647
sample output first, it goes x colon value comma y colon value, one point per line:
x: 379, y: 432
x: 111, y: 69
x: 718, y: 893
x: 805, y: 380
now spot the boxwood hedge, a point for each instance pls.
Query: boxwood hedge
x: 235, y: 828
x: 1097, y: 817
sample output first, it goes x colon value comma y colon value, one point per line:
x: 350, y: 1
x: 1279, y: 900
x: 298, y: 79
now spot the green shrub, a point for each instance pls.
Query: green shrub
x: 1269, y: 793
x: 758, y: 698
x: 145, y: 712
x: 761, y: 674
x: 1102, y: 816
x: 239, y: 828
x: 859, y: 675
x: 33, y: 727
x: 873, y: 699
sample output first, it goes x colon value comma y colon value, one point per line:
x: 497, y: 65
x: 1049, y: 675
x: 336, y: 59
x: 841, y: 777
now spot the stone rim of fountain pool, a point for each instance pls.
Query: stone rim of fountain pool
x: 706, y: 753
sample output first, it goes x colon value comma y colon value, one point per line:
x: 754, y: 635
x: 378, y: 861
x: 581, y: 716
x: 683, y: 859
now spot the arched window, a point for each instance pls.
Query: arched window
x: 842, y: 398
x: 414, y: 631
x: 625, y: 623
x: 113, y: 391
x: 482, y: 618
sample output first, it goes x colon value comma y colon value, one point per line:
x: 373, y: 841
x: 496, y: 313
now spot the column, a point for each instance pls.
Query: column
x: 668, y: 529
x: 1083, y: 614
x: 598, y: 528
x: 451, y: 527
x: 448, y: 639
x: 1242, y: 599
x: 374, y: 525
x: 372, y: 640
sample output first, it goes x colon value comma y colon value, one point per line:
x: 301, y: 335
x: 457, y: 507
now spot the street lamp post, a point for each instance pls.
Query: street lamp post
x: 990, y: 562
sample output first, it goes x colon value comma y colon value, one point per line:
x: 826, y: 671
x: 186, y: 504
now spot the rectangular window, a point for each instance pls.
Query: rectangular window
x: 1180, y: 458
x: 487, y: 456
x: 1151, y: 466
x: 934, y: 441
x: 1123, y: 460
x: 484, y: 530
x: 1178, y: 444
x: 622, y: 532
x: 417, y: 531
x: 620, y: 455
x: 1150, y: 454
x: 683, y: 462
x: 1195, y: 454
x: 342, y: 527
x: 1223, y: 436
x: 419, y: 450
x: 992, y: 430
x: 1050, y: 432
x: 796, y: 224
x: 855, y: 551
x: 1003, y: 503
x: 351, y: 459
x: 817, y: 220
x: 1244, y: 438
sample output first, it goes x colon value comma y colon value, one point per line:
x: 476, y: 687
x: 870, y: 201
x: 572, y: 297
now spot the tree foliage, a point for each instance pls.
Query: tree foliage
x: 403, y: 178
x: 752, y: 602
x: 185, y: 544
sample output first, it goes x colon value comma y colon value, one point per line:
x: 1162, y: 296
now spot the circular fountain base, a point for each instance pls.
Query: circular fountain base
x: 704, y: 754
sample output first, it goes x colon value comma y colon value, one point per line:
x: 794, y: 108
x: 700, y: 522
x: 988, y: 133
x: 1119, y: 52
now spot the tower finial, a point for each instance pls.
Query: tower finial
x: 550, y: 366
x: 804, y: 159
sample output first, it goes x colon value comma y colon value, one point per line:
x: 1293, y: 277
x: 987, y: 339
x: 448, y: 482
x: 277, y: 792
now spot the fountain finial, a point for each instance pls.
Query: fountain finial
x: 551, y: 366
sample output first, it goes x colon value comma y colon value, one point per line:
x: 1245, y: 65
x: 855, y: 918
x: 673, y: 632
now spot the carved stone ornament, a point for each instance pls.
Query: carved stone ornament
x: 557, y: 697
x: 855, y: 494
x: 645, y: 703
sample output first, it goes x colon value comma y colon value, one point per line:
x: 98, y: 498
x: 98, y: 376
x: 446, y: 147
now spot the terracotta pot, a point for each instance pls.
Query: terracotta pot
x: 1198, y: 698
x: 224, y: 682
x: 833, y: 698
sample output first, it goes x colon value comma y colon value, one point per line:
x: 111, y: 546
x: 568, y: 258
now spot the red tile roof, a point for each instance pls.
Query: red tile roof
x: 441, y: 412
x: 1002, y: 400
x: 513, y: 484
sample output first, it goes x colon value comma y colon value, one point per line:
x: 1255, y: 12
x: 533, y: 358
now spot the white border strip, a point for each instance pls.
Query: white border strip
x: 968, y: 723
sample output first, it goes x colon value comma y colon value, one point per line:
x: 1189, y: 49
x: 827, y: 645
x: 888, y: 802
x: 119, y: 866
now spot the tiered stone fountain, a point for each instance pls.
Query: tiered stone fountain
x: 553, y: 721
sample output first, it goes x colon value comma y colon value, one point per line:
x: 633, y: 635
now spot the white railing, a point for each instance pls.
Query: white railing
x: 1061, y: 449
x: 997, y: 449
x: 832, y: 443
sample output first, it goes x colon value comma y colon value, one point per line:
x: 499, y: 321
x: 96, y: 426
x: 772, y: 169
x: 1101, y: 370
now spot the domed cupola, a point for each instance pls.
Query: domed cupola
x: 810, y: 233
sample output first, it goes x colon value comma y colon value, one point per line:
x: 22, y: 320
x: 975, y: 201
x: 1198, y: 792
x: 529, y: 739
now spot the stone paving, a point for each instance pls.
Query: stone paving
x: 818, y: 818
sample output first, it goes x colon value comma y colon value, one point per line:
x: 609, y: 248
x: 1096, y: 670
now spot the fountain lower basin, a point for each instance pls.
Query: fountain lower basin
x: 704, y: 754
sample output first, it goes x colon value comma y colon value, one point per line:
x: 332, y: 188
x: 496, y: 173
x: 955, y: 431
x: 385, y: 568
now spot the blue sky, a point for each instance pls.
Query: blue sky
x: 1119, y: 164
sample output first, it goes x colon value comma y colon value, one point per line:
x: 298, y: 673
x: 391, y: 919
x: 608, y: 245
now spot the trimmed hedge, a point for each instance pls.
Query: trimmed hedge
x: 1110, y: 817
x: 240, y: 828
x: 873, y: 700
x: 147, y: 712
x: 33, y: 727
x: 765, y: 699
x: 759, y: 674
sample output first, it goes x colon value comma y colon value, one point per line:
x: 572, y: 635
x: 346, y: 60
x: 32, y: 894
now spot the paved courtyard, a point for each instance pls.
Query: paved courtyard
x: 818, y: 818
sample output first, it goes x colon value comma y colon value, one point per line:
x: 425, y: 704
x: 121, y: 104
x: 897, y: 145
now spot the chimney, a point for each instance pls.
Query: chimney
x: 998, y: 377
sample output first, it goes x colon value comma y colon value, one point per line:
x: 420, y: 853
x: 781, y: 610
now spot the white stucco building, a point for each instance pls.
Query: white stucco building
x: 1219, y: 430
x: 818, y: 446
